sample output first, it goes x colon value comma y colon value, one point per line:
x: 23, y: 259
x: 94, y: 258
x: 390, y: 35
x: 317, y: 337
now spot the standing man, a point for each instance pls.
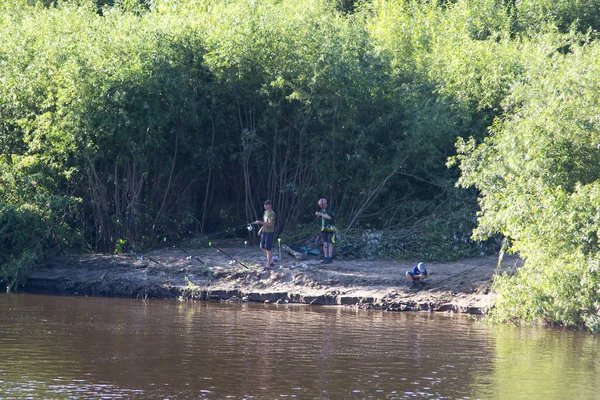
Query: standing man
x: 267, y: 231
x: 327, y: 230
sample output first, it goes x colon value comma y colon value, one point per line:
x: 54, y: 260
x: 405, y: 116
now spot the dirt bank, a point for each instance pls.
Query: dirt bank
x: 210, y: 274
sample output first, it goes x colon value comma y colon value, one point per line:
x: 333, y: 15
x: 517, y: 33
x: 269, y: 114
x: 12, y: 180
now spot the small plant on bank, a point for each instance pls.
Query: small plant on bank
x: 190, y: 293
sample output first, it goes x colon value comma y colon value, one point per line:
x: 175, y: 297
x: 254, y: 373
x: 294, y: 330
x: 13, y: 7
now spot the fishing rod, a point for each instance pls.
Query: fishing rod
x: 233, y: 259
x: 141, y: 257
x: 154, y: 261
x: 176, y: 245
x: 191, y: 256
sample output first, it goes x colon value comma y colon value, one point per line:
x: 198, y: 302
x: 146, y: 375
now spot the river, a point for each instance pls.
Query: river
x: 84, y: 347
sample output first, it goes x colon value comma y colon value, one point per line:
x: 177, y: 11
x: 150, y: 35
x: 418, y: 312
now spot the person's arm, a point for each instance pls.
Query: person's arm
x: 320, y: 214
x: 261, y: 223
x: 268, y: 223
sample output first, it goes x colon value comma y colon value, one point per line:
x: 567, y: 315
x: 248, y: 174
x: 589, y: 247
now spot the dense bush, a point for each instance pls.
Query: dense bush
x: 28, y: 235
x: 538, y: 174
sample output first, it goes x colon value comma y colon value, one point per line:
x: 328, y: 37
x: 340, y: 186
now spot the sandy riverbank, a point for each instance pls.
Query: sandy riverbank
x: 460, y: 286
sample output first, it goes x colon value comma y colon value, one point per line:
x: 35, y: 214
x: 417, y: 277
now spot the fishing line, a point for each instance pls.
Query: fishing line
x: 452, y: 276
x: 235, y: 228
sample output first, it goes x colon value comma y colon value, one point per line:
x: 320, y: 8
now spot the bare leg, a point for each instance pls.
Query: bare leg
x: 266, y: 255
x: 269, y: 254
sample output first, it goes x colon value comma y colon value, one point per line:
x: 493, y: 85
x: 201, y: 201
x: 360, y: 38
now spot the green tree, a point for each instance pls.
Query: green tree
x: 538, y: 177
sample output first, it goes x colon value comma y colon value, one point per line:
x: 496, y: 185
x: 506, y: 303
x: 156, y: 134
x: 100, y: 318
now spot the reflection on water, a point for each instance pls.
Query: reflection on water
x: 543, y: 364
x: 68, y: 347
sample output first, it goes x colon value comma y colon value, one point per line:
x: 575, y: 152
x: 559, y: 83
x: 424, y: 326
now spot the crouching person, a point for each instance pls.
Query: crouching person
x: 417, y: 275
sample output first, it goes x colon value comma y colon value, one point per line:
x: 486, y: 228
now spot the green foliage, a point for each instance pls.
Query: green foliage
x: 437, y: 231
x: 125, y: 122
x: 565, y: 15
x: 20, y: 244
x: 538, y: 174
x: 561, y: 291
x: 28, y: 234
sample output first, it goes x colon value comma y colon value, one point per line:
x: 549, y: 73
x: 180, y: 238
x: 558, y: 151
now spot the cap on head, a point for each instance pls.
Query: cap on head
x: 268, y: 202
x: 422, y: 268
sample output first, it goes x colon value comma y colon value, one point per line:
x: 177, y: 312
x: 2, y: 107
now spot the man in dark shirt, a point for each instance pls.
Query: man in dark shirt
x: 327, y: 230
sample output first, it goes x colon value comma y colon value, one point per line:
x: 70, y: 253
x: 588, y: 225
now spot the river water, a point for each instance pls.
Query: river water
x: 80, y: 348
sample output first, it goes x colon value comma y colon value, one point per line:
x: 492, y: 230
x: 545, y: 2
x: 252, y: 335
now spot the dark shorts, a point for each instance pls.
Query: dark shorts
x: 266, y: 240
x: 326, y: 236
x: 416, y: 277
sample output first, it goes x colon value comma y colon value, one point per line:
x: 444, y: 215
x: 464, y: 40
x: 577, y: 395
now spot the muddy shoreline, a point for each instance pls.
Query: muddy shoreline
x: 232, y: 271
